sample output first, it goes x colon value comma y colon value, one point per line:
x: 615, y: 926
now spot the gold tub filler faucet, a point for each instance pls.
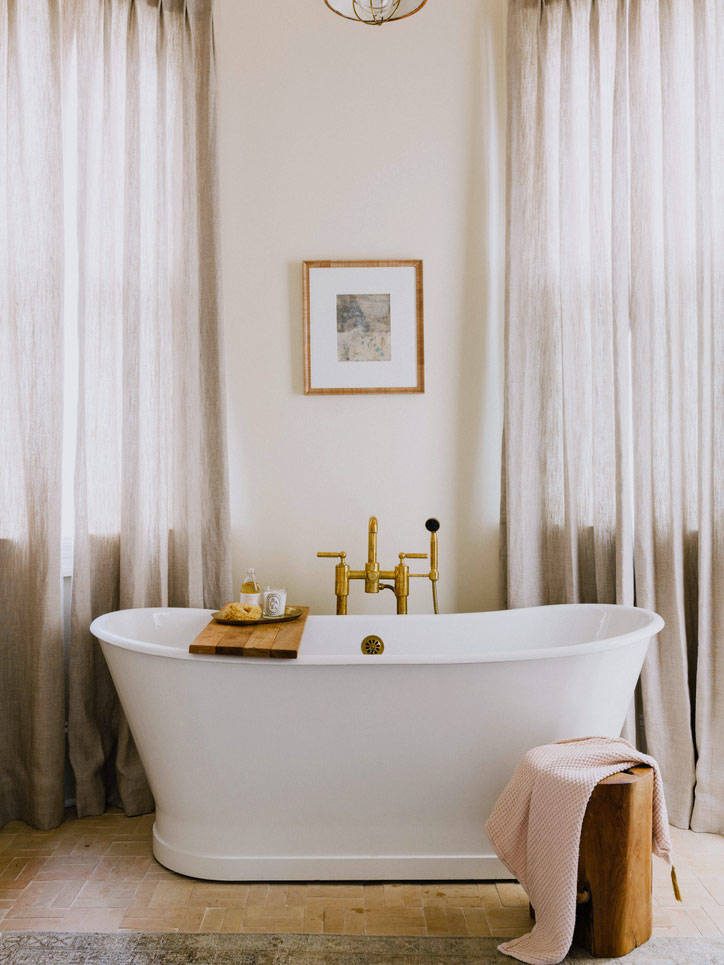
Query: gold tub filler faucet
x: 373, y: 575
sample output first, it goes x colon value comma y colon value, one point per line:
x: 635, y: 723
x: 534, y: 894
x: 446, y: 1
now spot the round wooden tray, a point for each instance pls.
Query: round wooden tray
x: 290, y: 613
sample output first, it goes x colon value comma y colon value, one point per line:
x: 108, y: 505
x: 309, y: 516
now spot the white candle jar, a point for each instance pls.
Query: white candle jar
x: 273, y: 602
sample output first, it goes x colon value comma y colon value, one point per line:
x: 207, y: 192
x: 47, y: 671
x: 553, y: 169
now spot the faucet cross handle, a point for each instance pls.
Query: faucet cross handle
x: 341, y: 579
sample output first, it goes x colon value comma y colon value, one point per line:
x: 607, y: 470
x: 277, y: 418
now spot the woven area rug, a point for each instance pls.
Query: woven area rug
x: 133, y: 948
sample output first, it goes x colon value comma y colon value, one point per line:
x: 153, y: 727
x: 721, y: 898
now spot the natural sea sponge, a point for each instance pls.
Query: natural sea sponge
x: 240, y: 611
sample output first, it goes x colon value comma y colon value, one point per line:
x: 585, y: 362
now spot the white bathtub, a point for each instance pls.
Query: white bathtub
x: 344, y: 766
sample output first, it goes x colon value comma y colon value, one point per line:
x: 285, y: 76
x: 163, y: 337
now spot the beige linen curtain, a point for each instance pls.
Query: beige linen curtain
x: 677, y: 324
x: 152, y: 523
x: 615, y: 345
x: 567, y: 494
x: 31, y: 405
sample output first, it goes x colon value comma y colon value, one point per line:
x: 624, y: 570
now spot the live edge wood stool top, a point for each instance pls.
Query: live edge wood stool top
x: 278, y: 640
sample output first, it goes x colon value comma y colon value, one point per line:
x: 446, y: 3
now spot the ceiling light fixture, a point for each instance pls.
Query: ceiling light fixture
x: 375, y: 12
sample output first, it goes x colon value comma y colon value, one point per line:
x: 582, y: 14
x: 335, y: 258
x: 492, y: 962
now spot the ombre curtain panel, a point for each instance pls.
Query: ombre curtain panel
x: 108, y: 245
x: 614, y: 399
x: 151, y: 491
x: 32, y: 717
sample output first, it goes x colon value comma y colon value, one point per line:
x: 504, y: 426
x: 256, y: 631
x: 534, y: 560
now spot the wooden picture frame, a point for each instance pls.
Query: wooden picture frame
x: 363, y: 327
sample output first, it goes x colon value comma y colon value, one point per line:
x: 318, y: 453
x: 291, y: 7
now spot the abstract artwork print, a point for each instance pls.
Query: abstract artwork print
x: 364, y: 328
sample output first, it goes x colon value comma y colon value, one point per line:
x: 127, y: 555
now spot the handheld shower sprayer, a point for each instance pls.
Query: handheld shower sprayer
x: 432, y: 526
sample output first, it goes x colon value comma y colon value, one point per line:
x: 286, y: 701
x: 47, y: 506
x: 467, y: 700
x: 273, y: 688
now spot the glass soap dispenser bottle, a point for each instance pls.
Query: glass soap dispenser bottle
x: 250, y: 589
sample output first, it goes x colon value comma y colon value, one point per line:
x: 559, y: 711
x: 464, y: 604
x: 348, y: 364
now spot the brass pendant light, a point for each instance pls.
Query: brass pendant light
x: 375, y: 12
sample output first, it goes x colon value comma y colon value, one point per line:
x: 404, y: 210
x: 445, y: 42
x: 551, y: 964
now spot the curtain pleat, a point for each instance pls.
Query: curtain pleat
x: 31, y: 414
x: 664, y: 336
x: 615, y: 345
x: 566, y: 491
x: 152, y: 525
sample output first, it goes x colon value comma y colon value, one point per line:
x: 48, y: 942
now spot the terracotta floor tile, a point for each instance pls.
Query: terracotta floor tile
x: 67, y: 893
x: 193, y: 916
x: 693, y: 892
x: 272, y: 926
x: 374, y: 896
x: 714, y: 884
x: 436, y: 920
x: 297, y: 894
x: 703, y: 922
x: 503, y: 933
x: 13, y: 868
x: 120, y: 868
x: 29, y: 846
x: 489, y: 897
x: 66, y: 868
x: 334, y: 920
x: 273, y: 911
x: 233, y: 919
x: 338, y: 892
x: 313, y: 923
x: 716, y: 912
x: 277, y: 895
x: 456, y: 896
x: 146, y: 924
x: 258, y: 894
x: 456, y: 921
x: 395, y: 921
x: 220, y: 895
x: 11, y: 894
x: 683, y: 925
x: 29, y: 924
x: 140, y: 849
x: 38, y: 894
x: 259, y: 915
x: 106, y: 894
x: 508, y: 918
x: 394, y: 895
x: 170, y: 916
x: 339, y: 903
x: 171, y: 894
x: 377, y: 923
x: 93, y: 847
x: 92, y: 919
x: 156, y: 870
x: 476, y: 921
x: 511, y: 895
x: 354, y: 921
x: 412, y: 895
x: 212, y: 920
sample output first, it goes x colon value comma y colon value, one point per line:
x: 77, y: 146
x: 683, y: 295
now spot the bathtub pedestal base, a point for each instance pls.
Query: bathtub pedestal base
x: 466, y: 867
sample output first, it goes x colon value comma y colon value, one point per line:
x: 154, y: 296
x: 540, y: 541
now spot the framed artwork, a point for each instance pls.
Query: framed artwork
x: 363, y: 327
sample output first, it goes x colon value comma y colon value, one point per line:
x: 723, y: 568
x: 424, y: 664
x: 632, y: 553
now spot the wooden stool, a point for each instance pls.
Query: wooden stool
x: 613, y: 912
x: 614, y: 865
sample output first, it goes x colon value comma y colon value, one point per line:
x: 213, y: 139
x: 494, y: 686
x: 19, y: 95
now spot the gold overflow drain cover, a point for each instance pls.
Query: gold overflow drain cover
x: 372, y: 645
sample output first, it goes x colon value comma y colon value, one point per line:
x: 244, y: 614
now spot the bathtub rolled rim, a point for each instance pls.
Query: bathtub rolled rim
x: 648, y: 631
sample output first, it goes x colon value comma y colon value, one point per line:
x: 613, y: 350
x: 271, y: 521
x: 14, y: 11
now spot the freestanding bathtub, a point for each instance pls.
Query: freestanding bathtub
x: 340, y: 765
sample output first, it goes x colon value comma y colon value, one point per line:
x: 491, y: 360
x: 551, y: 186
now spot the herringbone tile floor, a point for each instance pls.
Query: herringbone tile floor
x: 98, y: 874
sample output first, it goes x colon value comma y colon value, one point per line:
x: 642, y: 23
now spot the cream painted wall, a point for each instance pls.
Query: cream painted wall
x: 344, y: 141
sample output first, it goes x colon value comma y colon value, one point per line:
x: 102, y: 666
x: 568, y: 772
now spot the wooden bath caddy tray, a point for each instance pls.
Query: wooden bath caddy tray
x: 278, y: 640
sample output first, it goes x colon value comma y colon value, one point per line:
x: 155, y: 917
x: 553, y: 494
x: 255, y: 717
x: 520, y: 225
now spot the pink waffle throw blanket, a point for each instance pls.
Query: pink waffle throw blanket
x: 536, y: 825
